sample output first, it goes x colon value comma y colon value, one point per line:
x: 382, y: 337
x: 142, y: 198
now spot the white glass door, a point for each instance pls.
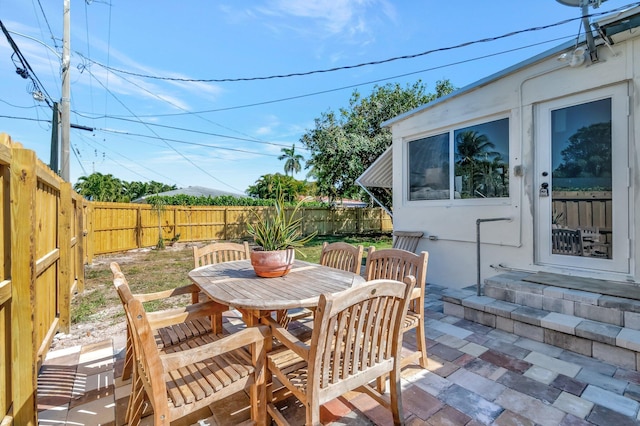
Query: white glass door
x: 582, y: 180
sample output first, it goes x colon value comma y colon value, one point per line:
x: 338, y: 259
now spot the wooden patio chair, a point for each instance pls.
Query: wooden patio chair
x: 171, y: 327
x: 357, y: 337
x: 342, y: 256
x: 566, y: 241
x: 395, y: 264
x: 338, y: 255
x: 180, y: 384
x: 405, y: 240
x: 220, y: 252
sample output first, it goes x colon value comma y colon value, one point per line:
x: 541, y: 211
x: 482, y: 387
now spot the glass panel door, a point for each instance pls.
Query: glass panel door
x: 582, y: 198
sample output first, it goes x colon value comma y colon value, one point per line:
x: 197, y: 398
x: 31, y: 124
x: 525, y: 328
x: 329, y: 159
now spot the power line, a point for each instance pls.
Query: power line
x: 162, y: 139
x: 186, y: 142
x: 26, y: 71
x: 155, y: 95
x: 351, y: 86
x: 48, y: 26
x: 123, y: 118
x: 146, y: 123
x: 25, y: 118
x: 155, y: 136
x: 363, y: 64
x: 136, y: 162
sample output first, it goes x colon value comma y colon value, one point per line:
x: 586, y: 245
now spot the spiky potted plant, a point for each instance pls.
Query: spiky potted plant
x: 277, y: 234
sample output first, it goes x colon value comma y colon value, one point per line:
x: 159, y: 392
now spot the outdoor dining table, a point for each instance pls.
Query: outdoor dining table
x: 236, y: 284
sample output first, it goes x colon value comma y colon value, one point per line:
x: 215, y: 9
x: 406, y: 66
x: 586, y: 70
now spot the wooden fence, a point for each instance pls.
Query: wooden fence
x: 586, y: 210
x: 580, y: 209
x: 42, y: 233
x: 117, y: 227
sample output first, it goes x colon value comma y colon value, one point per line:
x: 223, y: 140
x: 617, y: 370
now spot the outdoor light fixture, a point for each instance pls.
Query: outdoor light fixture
x: 578, y: 57
x: 575, y: 58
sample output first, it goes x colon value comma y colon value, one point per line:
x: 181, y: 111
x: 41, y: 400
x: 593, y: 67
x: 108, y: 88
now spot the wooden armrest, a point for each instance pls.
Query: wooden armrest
x: 415, y: 234
x: 249, y: 335
x: 187, y: 289
x: 186, y: 313
x: 288, y: 339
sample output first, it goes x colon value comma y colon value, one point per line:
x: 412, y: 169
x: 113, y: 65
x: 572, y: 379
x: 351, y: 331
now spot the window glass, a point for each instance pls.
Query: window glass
x: 581, y: 155
x: 482, y: 160
x: 429, y: 168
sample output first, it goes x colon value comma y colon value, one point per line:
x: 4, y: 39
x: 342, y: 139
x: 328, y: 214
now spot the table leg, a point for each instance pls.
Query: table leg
x: 252, y: 318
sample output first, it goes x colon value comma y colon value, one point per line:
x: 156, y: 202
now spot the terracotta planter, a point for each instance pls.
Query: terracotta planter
x: 271, y: 264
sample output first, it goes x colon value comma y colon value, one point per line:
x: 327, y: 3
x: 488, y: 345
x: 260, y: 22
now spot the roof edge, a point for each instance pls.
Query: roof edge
x: 486, y: 80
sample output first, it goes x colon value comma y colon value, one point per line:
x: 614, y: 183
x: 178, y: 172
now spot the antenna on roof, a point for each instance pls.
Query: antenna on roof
x: 584, y: 5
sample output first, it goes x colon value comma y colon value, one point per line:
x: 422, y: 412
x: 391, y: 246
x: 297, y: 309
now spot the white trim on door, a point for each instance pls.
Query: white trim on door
x: 620, y: 261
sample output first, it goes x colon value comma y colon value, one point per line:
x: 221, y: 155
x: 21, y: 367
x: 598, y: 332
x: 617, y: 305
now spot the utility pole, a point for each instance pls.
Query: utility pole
x: 66, y: 94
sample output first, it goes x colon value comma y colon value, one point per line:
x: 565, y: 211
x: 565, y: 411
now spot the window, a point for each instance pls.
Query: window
x: 429, y: 168
x: 479, y: 153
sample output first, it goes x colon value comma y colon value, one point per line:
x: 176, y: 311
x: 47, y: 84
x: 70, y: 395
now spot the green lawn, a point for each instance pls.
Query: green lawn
x: 312, y: 249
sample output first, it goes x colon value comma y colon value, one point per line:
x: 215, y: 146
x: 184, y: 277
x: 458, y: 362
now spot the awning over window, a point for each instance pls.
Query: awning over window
x: 380, y: 173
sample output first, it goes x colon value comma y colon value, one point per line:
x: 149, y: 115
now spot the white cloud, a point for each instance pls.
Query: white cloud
x: 333, y: 17
x: 159, y: 88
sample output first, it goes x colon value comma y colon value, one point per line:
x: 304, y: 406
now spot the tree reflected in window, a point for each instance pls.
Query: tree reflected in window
x: 481, y: 160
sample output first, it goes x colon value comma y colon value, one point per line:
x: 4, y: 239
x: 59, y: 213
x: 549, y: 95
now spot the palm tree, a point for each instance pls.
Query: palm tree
x: 293, y: 160
x: 472, y: 148
x: 99, y: 187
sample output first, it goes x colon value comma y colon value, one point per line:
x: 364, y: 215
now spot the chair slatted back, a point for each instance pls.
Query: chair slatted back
x: 357, y: 335
x: 566, y: 241
x: 395, y: 264
x: 220, y: 252
x: 406, y: 240
x: 344, y: 256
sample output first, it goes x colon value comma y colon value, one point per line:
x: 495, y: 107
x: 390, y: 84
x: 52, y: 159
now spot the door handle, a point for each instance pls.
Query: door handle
x: 544, y: 189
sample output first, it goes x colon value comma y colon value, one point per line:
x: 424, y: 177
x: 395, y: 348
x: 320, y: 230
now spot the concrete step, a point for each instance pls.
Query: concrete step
x: 618, y: 311
x: 615, y: 344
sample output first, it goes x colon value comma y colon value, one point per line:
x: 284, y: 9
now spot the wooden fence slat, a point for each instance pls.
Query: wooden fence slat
x: 80, y: 243
x: 65, y: 275
x: 23, y: 271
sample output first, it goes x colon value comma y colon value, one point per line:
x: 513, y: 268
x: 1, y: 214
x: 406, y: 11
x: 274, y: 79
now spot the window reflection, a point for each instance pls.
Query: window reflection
x: 429, y: 168
x: 582, y: 197
x: 482, y: 160
x: 481, y: 163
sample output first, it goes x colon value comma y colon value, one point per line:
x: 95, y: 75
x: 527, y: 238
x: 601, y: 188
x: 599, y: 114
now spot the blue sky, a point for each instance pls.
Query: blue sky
x: 226, y: 135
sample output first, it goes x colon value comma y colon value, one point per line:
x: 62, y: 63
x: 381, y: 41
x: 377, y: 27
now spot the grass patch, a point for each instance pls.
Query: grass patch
x: 313, y: 249
x: 86, y: 305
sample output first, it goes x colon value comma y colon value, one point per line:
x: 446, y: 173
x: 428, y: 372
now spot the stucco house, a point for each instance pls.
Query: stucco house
x: 526, y: 185
x: 540, y: 158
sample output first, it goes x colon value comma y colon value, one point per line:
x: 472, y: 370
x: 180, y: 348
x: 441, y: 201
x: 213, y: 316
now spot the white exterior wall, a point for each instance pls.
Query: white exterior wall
x: 452, y: 257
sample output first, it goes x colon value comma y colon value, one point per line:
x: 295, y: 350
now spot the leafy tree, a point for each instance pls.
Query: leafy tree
x: 588, y: 153
x: 99, y: 187
x: 343, y: 145
x: 293, y: 160
x: 267, y: 187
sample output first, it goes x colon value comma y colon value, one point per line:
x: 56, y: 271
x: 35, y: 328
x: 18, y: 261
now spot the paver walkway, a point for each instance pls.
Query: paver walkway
x: 477, y: 375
